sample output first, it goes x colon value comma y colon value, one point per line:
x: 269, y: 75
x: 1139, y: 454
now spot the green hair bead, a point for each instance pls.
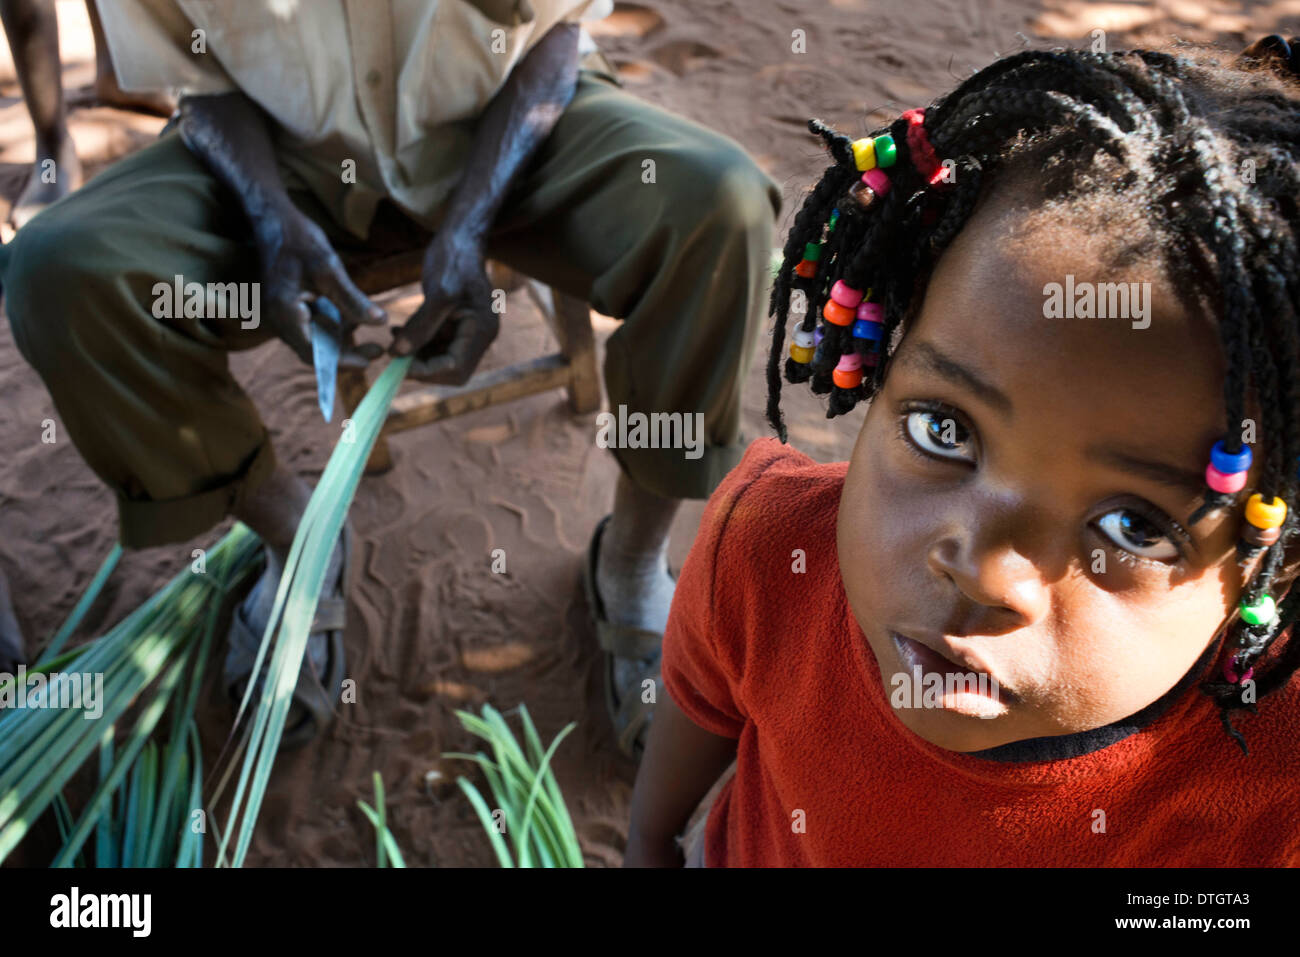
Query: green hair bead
x: 886, y: 151
x: 1261, y: 612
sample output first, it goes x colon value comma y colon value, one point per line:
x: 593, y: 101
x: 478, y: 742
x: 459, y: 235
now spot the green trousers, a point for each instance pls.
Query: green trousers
x: 150, y: 403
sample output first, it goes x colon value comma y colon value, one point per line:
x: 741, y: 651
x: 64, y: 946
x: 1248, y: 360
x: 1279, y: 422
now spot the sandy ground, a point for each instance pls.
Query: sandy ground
x: 431, y: 629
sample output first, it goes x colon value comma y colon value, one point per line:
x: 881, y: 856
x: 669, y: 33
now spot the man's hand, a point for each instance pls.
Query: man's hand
x: 456, y: 291
x: 232, y: 136
x: 298, y: 265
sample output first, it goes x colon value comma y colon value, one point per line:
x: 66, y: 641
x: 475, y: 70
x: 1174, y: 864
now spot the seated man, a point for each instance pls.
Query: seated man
x: 305, y: 128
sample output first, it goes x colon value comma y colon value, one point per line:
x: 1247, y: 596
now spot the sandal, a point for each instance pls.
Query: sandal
x: 320, y: 681
x: 631, y: 715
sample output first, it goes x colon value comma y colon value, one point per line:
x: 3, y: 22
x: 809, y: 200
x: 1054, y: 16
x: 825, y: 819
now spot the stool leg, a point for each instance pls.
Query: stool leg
x: 573, y: 329
x: 353, y: 386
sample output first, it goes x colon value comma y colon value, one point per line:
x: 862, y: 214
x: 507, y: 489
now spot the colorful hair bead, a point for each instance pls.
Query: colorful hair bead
x: 866, y: 329
x: 1231, y: 666
x: 876, y: 181
x: 862, y: 195
x: 848, y: 373
x: 1263, y: 515
x: 871, y: 311
x: 1230, y: 462
x: 1260, y: 537
x: 864, y: 154
x: 1259, y: 612
x: 886, y: 151
x: 818, y: 335
x: 837, y: 313
x: 923, y: 155
x: 845, y: 294
x: 806, y: 269
x: 812, y: 251
x: 801, y: 354
x: 804, y: 338
x: 1223, y: 483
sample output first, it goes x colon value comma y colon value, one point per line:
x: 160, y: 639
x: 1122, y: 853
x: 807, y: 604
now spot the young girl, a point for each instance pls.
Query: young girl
x: 1029, y: 622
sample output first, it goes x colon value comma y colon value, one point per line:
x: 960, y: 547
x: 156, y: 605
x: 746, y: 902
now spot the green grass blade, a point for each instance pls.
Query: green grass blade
x: 190, y: 852
x: 524, y: 786
x: 145, y: 798
x: 485, y: 818
x: 105, y: 855
x: 382, y: 827
x: 133, y: 801
x: 83, y: 605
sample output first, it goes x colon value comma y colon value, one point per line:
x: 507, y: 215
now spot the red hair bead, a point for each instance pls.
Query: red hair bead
x: 836, y: 313
x: 806, y: 269
x: 848, y: 373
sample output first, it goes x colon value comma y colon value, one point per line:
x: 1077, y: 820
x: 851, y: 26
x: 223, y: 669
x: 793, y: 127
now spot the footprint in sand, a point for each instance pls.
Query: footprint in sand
x: 681, y: 56
x: 627, y: 20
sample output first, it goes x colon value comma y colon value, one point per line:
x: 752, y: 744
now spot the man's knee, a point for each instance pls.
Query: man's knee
x: 55, y: 270
x: 722, y: 187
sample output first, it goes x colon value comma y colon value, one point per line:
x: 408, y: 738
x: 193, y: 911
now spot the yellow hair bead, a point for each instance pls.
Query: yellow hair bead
x: 1265, y: 516
x: 864, y: 154
x: 801, y: 354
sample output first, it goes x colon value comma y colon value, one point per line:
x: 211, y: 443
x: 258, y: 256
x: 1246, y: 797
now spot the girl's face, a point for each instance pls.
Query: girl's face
x: 1017, y: 501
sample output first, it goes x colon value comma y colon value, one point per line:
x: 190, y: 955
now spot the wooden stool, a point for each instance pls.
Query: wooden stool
x: 572, y: 368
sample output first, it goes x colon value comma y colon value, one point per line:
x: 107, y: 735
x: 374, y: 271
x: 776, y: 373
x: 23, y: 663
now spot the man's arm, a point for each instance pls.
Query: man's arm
x: 682, y: 762
x: 231, y: 135
x: 513, y: 127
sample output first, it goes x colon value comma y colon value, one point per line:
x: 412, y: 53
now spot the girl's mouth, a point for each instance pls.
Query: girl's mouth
x: 963, y: 688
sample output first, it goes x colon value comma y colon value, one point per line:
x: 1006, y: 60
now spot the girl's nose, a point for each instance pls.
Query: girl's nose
x: 1003, y: 588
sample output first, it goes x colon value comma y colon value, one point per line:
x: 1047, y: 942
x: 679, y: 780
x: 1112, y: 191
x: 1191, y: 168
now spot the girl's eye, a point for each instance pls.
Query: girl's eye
x: 938, y: 434
x: 1135, y: 533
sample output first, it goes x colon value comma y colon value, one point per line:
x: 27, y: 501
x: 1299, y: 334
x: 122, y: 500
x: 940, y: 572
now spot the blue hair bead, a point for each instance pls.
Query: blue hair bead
x: 1229, y: 463
x: 866, y: 329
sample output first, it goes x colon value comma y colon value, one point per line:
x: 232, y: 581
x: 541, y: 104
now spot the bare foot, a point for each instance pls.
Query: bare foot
x: 109, y: 93
x: 11, y: 639
x: 52, y: 178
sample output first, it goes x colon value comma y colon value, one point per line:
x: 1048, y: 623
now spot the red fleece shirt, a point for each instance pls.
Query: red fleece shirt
x: 777, y: 660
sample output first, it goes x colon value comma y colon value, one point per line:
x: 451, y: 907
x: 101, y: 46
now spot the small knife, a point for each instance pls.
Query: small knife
x: 325, y: 354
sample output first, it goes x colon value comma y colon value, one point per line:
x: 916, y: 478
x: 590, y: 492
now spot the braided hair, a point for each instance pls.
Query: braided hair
x: 1170, y: 134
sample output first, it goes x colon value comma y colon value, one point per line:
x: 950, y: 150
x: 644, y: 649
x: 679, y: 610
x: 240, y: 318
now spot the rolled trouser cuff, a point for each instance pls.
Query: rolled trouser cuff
x: 667, y: 472
x: 148, y: 524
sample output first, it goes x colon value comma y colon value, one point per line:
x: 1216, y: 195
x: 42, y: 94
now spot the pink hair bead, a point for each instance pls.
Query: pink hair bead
x: 849, y: 361
x: 1230, y: 671
x: 877, y: 180
x: 870, y: 359
x: 1227, y: 484
x: 871, y: 311
x: 845, y: 294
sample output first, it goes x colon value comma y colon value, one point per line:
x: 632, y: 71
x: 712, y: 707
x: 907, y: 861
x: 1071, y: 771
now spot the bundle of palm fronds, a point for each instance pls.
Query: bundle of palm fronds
x: 148, y: 808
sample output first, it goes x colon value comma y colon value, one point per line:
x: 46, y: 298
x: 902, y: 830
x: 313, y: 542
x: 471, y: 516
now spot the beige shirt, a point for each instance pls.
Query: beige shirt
x: 372, y: 98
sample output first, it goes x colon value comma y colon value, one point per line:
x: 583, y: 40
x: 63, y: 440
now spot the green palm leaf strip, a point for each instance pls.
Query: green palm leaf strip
x: 295, y: 605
